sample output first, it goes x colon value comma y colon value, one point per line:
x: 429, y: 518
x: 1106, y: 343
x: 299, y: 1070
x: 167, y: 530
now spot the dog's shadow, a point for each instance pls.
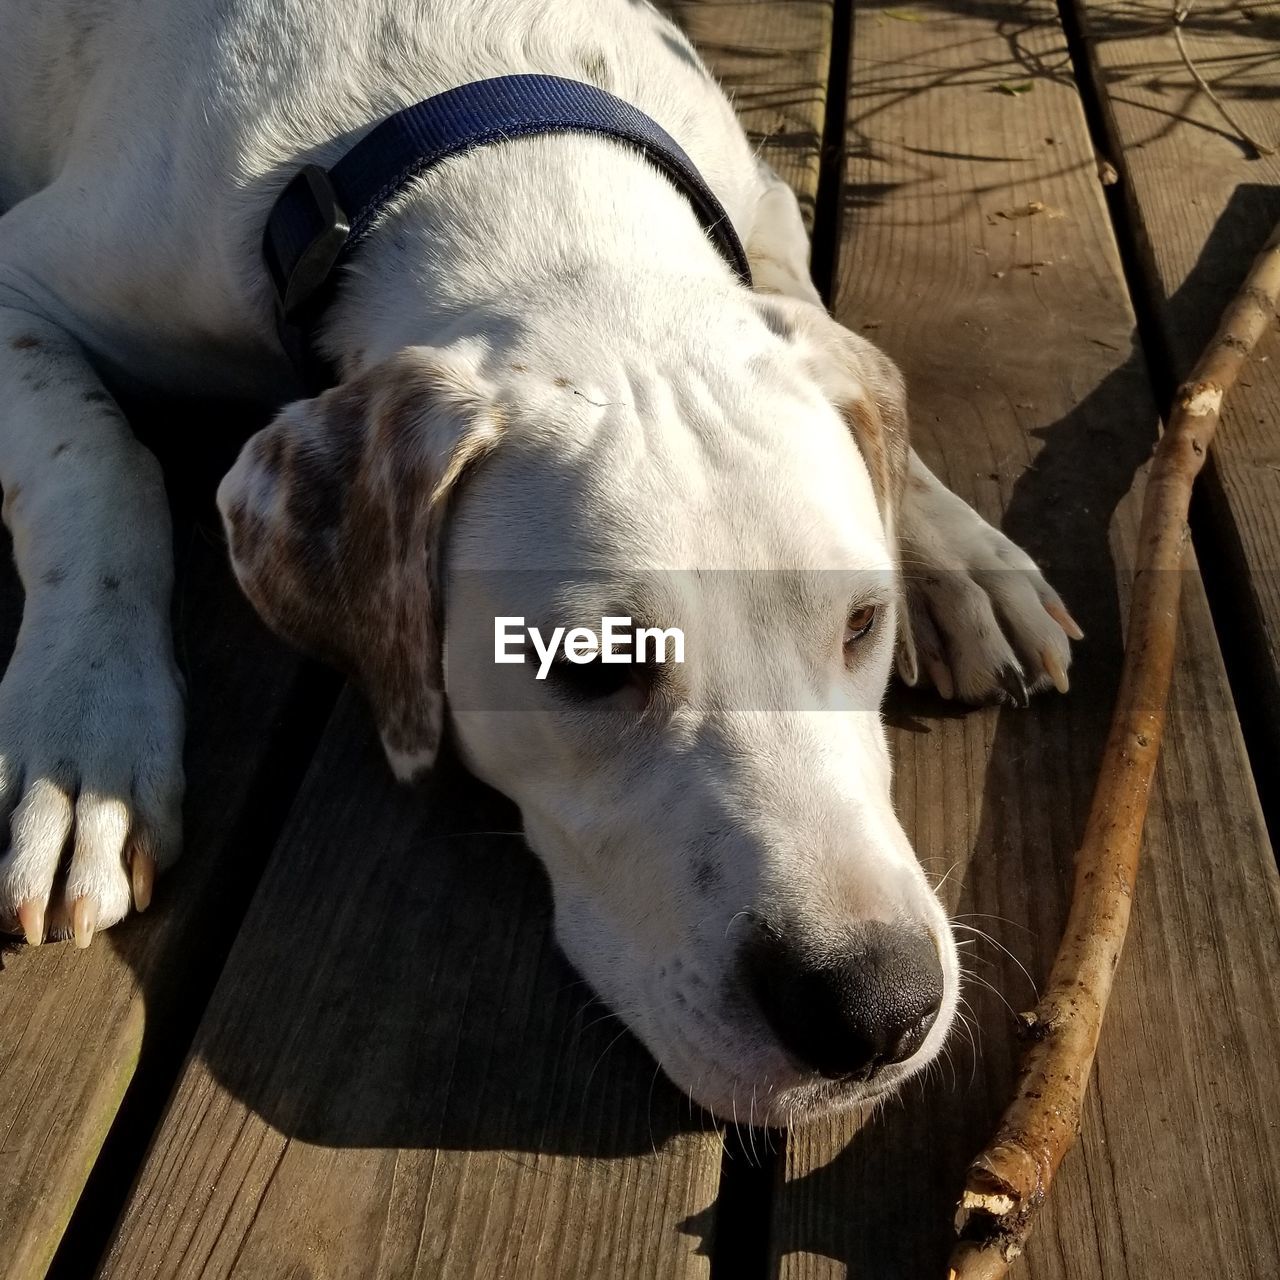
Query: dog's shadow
x: 398, y: 984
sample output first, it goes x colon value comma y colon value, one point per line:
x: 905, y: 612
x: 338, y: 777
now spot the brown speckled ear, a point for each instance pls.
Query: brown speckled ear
x: 334, y: 514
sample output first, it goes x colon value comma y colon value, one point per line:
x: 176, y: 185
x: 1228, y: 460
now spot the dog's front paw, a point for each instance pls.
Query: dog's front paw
x: 90, y: 779
x: 982, y: 624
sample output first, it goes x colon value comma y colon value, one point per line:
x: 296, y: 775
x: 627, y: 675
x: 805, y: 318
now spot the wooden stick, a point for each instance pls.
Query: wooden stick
x: 1011, y: 1177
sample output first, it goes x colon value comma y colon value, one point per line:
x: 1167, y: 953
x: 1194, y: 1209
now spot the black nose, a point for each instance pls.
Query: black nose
x: 851, y: 1011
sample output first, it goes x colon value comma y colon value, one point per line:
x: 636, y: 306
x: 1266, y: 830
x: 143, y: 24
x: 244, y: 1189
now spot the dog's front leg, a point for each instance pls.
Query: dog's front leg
x: 91, y: 704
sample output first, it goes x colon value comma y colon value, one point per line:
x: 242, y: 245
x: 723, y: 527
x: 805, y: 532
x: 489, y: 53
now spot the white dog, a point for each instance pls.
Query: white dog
x: 546, y: 368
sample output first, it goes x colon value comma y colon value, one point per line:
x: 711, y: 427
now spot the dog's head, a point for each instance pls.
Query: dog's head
x: 727, y: 867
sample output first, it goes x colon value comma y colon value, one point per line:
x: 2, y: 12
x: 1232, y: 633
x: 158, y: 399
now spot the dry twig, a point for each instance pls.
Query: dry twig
x: 1009, y: 1180
x: 1180, y: 12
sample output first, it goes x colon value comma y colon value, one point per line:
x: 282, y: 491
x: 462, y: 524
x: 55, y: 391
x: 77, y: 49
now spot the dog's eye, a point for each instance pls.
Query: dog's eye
x: 859, y: 623
x: 591, y: 680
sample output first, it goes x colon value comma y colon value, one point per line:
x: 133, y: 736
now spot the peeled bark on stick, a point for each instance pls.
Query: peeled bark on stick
x: 1011, y: 1177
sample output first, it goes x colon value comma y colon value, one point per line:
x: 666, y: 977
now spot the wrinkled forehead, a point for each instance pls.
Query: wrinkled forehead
x: 735, y: 610
x: 619, y: 492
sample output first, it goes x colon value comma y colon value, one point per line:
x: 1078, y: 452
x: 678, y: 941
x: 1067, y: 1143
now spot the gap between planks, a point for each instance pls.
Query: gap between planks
x: 1185, y: 253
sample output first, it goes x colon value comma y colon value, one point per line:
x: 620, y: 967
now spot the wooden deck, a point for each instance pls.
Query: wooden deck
x: 341, y: 1044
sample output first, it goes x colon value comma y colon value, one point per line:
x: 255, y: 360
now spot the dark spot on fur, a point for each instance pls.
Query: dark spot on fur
x: 561, y: 382
x: 26, y: 342
x: 110, y: 582
x: 63, y: 771
x: 96, y: 397
x: 315, y: 499
x: 777, y: 320
x: 53, y: 577
x: 95, y: 664
x: 271, y: 452
x: 318, y: 488
x: 706, y: 875
x: 36, y: 384
x: 595, y: 67
x: 60, y: 449
x: 396, y: 422
x: 248, y: 531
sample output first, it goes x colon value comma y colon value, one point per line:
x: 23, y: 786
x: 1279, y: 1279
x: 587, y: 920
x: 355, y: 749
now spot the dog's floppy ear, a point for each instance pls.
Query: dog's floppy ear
x: 334, y: 514
x: 865, y: 387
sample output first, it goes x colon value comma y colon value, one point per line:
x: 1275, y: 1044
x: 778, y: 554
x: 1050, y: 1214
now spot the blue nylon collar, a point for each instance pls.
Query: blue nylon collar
x: 323, y: 215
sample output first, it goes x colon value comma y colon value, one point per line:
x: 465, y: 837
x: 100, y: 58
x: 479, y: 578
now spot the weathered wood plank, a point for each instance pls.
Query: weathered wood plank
x: 1031, y: 400
x: 397, y: 1075
x: 74, y: 1026
x: 1201, y: 204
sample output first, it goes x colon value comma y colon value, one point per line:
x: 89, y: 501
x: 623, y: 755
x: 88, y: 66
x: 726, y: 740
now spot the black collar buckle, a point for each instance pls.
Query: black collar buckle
x: 306, y: 234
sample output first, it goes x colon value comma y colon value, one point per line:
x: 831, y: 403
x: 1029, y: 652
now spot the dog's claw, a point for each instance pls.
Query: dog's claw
x: 84, y: 919
x: 142, y: 873
x: 1015, y: 687
x: 908, y: 668
x: 940, y: 674
x: 31, y: 918
x: 1053, y: 668
x: 1058, y: 612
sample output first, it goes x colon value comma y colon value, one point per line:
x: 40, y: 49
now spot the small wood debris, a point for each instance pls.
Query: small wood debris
x: 1028, y: 210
